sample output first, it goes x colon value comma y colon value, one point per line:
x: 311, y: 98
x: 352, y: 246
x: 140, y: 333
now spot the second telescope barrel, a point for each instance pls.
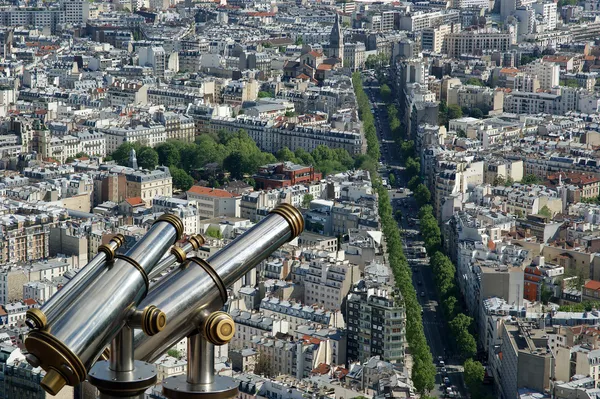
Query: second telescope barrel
x: 52, y: 308
x: 201, y: 285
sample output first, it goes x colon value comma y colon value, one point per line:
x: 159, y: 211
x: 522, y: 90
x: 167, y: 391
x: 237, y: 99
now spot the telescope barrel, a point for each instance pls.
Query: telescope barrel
x: 38, y: 318
x: 188, y: 294
x: 69, y: 346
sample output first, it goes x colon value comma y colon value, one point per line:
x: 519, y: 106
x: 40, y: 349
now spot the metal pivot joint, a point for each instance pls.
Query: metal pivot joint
x: 201, y: 382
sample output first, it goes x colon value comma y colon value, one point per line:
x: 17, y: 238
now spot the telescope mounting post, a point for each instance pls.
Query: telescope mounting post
x: 201, y: 381
x: 122, y: 376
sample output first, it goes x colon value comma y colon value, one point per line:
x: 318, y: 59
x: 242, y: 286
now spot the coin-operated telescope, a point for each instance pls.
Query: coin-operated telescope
x: 114, y: 303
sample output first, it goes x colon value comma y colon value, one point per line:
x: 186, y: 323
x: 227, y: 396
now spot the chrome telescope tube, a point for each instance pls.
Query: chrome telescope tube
x: 177, y: 255
x: 188, y: 294
x: 67, y: 348
x: 38, y: 318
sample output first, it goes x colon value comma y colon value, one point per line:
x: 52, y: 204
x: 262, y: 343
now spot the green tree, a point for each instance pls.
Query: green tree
x: 181, y: 180
x: 545, y: 211
x: 306, y: 200
x: 413, y: 183
x: 422, y: 194
x: 81, y: 155
x: 545, y: 293
x: 499, y: 180
x: 473, y: 375
x: 121, y: 154
x: 413, y: 167
x: 476, y: 113
x: 169, y: 153
x: 450, y: 305
x: 214, y: 232
x: 531, y: 179
x: 385, y: 92
x: 147, y: 158
x: 392, y: 179
x: 299, y: 41
x: 263, y: 365
x: 174, y: 353
x: 474, y: 82
x: 398, y: 215
x: 285, y: 154
x: 570, y: 83
x: 454, y: 112
x: 265, y: 94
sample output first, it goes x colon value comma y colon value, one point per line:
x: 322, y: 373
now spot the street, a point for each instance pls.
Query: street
x: 436, y: 330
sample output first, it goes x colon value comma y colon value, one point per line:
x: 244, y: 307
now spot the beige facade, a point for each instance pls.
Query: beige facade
x: 150, y: 184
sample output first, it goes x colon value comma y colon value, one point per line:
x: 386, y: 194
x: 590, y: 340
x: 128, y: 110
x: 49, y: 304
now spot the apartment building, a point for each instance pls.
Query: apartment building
x: 328, y: 281
x: 376, y: 319
x: 177, y: 126
x: 13, y: 278
x: 490, y: 270
x: 122, y: 94
x: 272, y: 137
x: 255, y: 205
x: 523, y: 360
x: 285, y: 174
x: 147, y: 132
x: 477, y: 42
x: 434, y: 38
x: 298, y: 314
x: 149, y: 184
x: 354, y: 56
x: 25, y: 237
x: 213, y: 202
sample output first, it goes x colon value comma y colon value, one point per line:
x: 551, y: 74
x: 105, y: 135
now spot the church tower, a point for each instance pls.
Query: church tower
x: 132, y: 159
x: 336, y: 40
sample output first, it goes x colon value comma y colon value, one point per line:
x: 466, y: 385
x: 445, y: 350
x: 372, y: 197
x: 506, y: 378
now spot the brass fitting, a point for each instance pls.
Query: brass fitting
x: 179, y: 254
x: 119, y: 239
x: 293, y: 216
x: 60, y: 363
x: 197, y: 241
x: 53, y: 382
x: 153, y: 320
x: 218, y: 328
x: 175, y: 221
x: 36, y: 318
x: 108, y: 251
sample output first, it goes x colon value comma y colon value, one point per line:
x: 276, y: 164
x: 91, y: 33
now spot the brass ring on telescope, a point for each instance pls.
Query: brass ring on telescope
x: 197, y: 241
x: 105, y: 355
x: 179, y: 254
x: 119, y: 239
x: 213, y: 274
x: 175, y: 222
x: 292, y: 216
x: 37, y: 317
x: 61, y: 364
x: 108, y: 251
x: 153, y: 320
x: 219, y: 328
x: 134, y: 263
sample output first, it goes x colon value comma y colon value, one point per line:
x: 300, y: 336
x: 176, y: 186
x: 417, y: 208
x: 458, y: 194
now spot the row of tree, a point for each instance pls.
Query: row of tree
x: 234, y: 153
x: 443, y: 268
x: 423, y: 371
x: 366, y: 116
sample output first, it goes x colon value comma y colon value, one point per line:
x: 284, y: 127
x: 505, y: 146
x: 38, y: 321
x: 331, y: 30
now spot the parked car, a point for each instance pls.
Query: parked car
x: 447, y: 381
x: 444, y: 371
